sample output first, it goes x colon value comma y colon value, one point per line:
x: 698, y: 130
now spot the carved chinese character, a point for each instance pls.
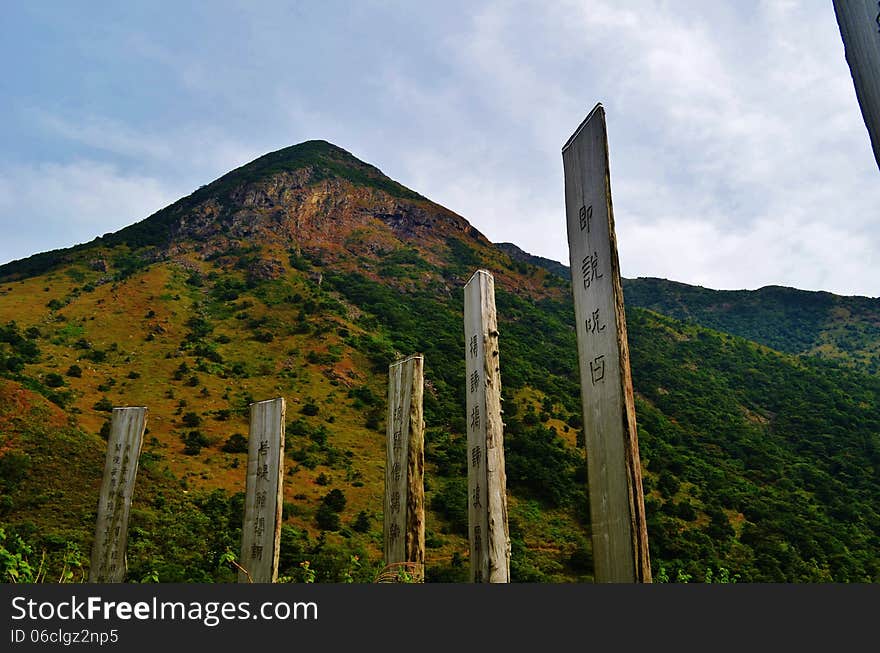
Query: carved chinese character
x: 472, y: 347
x: 394, y: 532
x: 259, y: 526
x: 395, y: 471
x: 263, y: 471
x: 396, y: 442
x: 475, y: 380
x: 395, y: 501
x: 597, y: 369
x: 475, y: 417
x: 256, y: 552
x: 476, y: 456
x: 590, y: 269
x: 593, y: 323
x: 476, y: 497
x: 264, y: 448
x: 398, y: 414
x: 260, y: 500
x: 584, y: 217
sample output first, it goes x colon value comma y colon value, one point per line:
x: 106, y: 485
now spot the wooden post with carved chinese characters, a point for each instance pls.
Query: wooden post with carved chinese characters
x: 261, y: 531
x: 487, y: 481
x: 404, y: 515
x: 108, y: 563
x: 859, y: 24
x: 617, y: 509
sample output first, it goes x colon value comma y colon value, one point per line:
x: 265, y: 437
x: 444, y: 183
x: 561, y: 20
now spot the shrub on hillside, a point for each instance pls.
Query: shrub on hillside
x: 235, y: 443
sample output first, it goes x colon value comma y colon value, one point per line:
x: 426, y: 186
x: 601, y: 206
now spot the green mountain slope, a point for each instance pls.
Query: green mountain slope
x: 845, y: 330
x: 842, y: 329
x: 296, y: 279
x: 767, y: 463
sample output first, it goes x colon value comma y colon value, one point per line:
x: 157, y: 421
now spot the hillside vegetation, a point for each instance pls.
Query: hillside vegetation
x: 844, y: 330
x: 304, y: 275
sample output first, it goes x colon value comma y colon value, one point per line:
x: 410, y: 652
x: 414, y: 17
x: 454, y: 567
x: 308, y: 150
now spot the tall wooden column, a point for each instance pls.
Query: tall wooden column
x: 487, y: 481
x: 261, y: 531
x: 404, y: 515
x: 108, y: 563
x: 859, y: 23
x: 617, y: 509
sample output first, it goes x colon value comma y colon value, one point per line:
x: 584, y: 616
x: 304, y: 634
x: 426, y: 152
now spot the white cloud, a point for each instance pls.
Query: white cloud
x: 193, y: 149
x: 736, y: 139
x: 105, y: 134
x: 50, y: 206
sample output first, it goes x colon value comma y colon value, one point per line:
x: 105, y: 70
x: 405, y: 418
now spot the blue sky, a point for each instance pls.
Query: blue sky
x: 738, y: 153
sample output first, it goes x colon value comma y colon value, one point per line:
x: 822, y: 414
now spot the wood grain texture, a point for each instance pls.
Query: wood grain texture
x: 859, y: 23
x: 617, y: 512
x: 404, y: 513
x: 487, y: 480
x: 261, y: 530
x: 108, y: 562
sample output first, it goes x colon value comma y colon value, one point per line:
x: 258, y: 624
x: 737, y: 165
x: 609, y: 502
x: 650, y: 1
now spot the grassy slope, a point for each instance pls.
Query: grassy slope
x: 745, y: 450
x: 733, y: 436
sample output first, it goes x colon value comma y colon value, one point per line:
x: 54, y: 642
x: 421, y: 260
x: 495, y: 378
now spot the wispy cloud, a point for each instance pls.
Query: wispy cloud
x: 51, y: 206
x: 735, y: 138
x: 738, y: 153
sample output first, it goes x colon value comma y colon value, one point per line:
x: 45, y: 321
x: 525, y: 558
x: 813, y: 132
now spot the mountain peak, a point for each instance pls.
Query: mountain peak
x: 320, y: 158
x: 312, y: 190
x: 304, y: 164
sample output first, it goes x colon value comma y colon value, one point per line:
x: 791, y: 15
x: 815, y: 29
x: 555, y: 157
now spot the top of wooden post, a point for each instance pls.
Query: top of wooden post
x: 407, y: 359
x: 597, y: 108
x: 477, y: 273
x: 265, y: 401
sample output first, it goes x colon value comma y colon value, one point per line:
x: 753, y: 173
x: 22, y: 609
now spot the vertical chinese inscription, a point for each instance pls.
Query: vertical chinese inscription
x: 261, y: 531
x: 404, y: 514
x: 487, y: 491
x: 617, y: 514
x: 108, y: 564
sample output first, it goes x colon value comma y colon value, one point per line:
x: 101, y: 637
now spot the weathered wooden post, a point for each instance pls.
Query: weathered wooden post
x: 404, y: 523
x: 487, y: 481
x: 859, y: 24
x: 108, y: 563
x: 617, y: 509
x: 261, y: 531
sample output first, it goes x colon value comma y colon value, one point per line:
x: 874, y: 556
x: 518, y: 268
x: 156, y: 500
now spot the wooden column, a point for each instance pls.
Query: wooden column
x: 404, y: 514
x: 859, y: 23
x: 617, y: 510
x: 261, y: 531
x: 108, y: 563
x: 487, y: 482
